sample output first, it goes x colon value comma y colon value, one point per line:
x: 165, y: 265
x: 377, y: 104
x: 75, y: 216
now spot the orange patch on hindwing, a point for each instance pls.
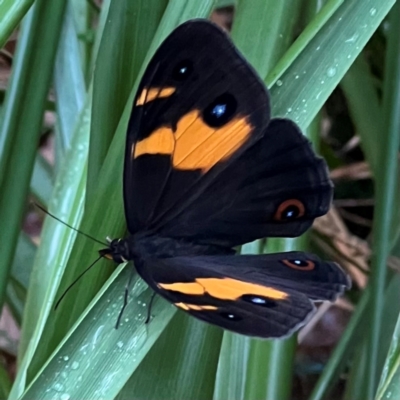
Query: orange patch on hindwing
x: 223, y: 288
x: 194, y: 307
x: 194, y: 144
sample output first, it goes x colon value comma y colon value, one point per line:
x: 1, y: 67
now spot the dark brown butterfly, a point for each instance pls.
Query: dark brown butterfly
x: 206, y: 169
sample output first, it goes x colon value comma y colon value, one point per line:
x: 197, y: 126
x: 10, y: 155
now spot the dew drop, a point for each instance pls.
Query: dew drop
x: 58, y: 387
x: 75, y: 365
x: 331, y: 72
x: 279, y: 82
x: 65, y: 358
x: 65, y: 396
x: 372, y: 12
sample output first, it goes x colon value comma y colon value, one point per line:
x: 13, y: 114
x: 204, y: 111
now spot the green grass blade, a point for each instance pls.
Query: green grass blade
x: 41, y: 185
x: 185, y: 371
x: 13, y: 95
x: 66, y: 203
x: 5, y: 383
x: 391, y: 314
x: 12, y: 12
x: 95, y: 360
x: 233, y: 360
x: 307, y: 82
x: 305, y: 37
x: 24, y: 107
x: 69, y: 82
x: 358, y: 85
x: 225, y: 3
x: 384, y: 194
x: 22, y: 264
x: 127, y: 36
x: 263, y: 30
x: 389, y: 386
x: 15, y: 299
x: 270, y: 367
x: 99, y: 35
x: 20, y: 276
x: 356, y: 389
x: 83, y: 14
x: 343, y: 351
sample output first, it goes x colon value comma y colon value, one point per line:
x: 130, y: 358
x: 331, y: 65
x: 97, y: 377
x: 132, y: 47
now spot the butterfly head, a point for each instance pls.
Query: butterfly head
x: 118, y: 251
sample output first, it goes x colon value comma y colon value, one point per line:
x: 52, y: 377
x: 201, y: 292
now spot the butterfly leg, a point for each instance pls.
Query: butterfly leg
x: 149, y: 309
x: 126, y: 297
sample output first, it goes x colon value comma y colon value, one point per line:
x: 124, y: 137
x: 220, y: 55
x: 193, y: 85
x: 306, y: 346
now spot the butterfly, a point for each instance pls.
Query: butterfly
x: 206, y: 169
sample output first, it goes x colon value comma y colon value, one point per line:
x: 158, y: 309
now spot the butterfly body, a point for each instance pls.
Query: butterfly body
x: 207, y: 170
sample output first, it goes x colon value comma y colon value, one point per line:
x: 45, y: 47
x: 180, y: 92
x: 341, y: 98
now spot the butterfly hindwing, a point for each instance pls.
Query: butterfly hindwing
x: 265, y: 296
x: 198, y: 107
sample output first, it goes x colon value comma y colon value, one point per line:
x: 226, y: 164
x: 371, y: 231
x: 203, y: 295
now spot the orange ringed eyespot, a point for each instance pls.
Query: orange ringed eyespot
x: 289, y: 209
x: 301, y: 265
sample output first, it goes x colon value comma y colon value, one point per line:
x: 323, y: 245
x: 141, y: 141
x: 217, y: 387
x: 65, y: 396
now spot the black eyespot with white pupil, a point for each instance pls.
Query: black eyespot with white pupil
x: 299, y: 263
x: 220, y: 111
x: 182, y: 70
x: 289, y: 210
x: 231, y: 316
x: 258, y: 300
x: 302, y: 265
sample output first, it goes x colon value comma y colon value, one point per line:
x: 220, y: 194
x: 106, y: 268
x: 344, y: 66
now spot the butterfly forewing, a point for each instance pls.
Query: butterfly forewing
x: 198, y: 107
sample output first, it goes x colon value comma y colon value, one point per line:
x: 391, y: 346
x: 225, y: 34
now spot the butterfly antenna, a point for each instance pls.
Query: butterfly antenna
x: 69, y: 226
x: 126, y: 297
x: 75, y: 281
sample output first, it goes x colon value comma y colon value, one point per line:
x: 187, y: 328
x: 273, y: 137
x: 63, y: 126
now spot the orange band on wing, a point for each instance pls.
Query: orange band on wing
x: 200, y: 146
x: 154, y: 93
x: 194, y: 307
x: 160, y: 142
x: 197, y: 145
x: 225, y: 288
